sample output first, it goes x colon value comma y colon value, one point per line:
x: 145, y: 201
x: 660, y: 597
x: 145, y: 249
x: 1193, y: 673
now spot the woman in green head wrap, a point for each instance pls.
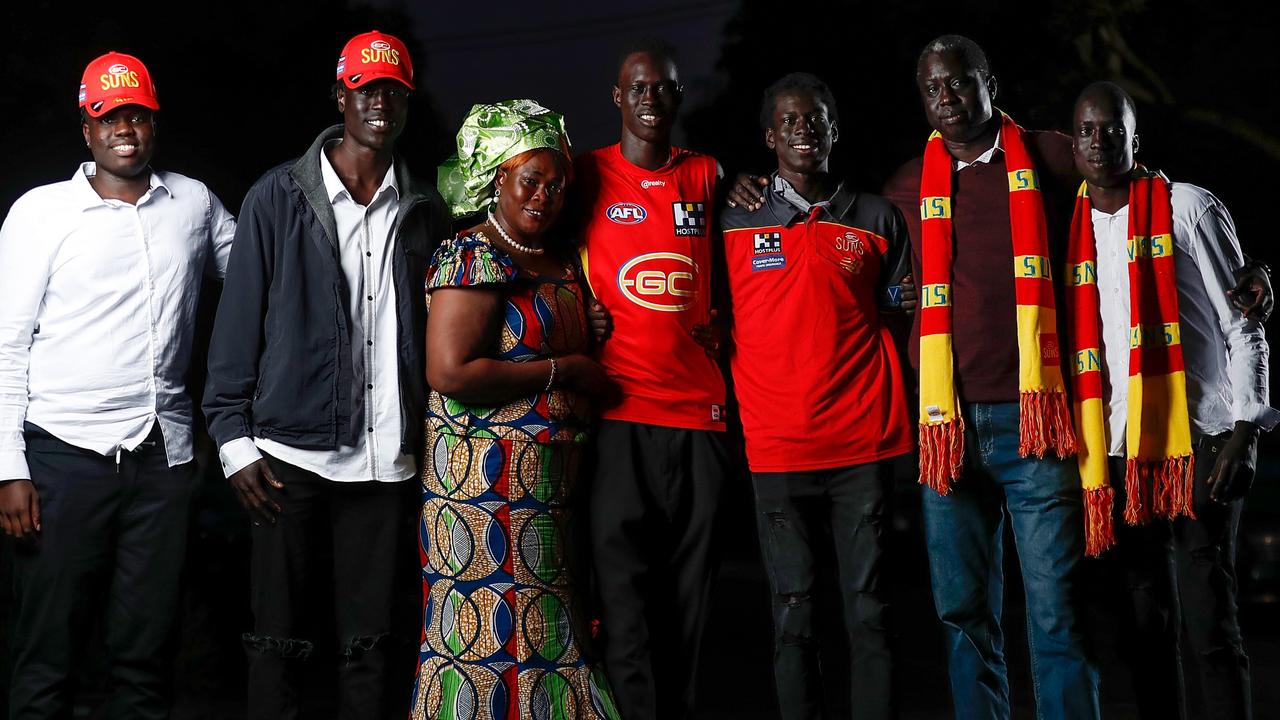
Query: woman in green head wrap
x: 507, y: 339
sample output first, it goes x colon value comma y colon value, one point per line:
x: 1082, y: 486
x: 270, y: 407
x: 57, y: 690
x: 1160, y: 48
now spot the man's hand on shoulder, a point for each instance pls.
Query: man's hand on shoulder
x: 248, y: 484
x: 748, y: 191
x: 19, y: 508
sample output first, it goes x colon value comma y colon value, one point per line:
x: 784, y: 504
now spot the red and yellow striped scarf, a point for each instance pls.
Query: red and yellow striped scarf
x: 1159, y: 464
x: 1045, y: 421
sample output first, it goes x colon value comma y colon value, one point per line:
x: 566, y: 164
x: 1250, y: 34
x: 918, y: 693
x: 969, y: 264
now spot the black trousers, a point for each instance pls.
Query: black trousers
x: 112, y: 540
x: 1178, y: 579
x: 848, y: 508
x: 653, y: 498
x: 364, y: 524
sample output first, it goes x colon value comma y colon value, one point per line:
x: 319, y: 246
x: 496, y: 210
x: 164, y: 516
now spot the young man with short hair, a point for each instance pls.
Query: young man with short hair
x: 1171, y: 390
x: 100, y: 276
x: 819, y: 384
x: 316, y: 380
x: 646, y: 214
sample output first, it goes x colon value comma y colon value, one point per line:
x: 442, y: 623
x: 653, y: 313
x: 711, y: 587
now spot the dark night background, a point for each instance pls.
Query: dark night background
x: 243, y: 86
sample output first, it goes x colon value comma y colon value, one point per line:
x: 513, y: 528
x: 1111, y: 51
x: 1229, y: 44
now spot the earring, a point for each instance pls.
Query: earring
x: 497, y: 192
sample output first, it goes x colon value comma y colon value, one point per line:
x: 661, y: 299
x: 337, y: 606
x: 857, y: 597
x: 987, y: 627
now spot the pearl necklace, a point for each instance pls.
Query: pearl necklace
x: 507, y: 238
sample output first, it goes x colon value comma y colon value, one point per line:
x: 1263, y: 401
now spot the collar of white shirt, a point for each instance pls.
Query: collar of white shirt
x: 1097, y: 214
x: 985, y: 157
x: 333, y: 184
x: 89, y: 198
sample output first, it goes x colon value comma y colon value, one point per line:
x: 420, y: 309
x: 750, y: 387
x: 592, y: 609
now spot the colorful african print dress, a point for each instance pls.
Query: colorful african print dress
x: 500, y: 635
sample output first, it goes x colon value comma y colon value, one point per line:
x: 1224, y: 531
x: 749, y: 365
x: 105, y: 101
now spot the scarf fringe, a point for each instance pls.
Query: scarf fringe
x: 1159, y: 489
x: 1099, y: 527
x: 941, y: 454
x: 1045, y: 422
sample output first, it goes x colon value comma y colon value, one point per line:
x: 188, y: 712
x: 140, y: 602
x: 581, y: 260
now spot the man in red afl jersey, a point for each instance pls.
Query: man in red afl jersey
x: 821, y: 392
x: 646, y: 251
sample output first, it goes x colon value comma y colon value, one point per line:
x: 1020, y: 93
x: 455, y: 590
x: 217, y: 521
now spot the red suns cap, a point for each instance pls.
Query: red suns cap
x: 113, y: 80
x: 373, y: 56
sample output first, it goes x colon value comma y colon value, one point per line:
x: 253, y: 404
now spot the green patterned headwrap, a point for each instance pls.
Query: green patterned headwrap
x: 491, y: 135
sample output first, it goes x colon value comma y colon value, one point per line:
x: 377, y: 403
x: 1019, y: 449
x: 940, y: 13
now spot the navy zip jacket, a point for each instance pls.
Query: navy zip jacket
x: 280, y: 358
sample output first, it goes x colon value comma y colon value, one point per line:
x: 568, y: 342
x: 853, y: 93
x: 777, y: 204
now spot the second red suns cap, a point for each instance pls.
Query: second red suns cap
x: 113, y: 80
x: 374, y: 56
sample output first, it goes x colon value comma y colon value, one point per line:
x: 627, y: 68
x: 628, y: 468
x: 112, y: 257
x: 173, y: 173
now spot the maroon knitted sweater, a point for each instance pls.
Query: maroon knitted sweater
x: 982, y: 295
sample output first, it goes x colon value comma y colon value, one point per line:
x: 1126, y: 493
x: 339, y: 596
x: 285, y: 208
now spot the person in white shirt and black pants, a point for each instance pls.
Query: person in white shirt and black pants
x: 99, y: 281
x: 316, y: 384
x: 1177, y: 578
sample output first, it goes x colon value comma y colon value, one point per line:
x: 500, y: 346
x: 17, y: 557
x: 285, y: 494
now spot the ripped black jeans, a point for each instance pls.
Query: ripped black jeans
x: 848, y: 507
x: 363, y: 523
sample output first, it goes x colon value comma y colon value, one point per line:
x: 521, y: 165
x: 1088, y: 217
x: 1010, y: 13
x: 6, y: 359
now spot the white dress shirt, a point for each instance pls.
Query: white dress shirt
x: 1225, y: 354
x: 366, y: 244
x: 97, y: 304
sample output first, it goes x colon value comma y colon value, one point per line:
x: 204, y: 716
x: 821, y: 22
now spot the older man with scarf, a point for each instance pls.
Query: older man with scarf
x: 995, y: 431
x: 1170, y: 390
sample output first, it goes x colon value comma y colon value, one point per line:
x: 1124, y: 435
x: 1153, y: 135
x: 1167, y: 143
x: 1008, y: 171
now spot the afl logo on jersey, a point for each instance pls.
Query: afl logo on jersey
x: 662, y: 281
x: 625, y: 213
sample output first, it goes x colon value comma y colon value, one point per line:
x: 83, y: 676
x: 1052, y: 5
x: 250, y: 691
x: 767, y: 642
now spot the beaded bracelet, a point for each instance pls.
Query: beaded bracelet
x: 551, y: 379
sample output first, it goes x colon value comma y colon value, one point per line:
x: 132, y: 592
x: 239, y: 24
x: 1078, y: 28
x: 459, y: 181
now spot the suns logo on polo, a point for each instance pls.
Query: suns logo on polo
x: 850, y: 243
x: 380, y: 51
x: 662, y: 281
x: 118, y: 76
x: 626, y: 213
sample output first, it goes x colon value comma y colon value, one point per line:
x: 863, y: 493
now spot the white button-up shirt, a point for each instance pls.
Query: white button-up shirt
x: 1225, y: 355
x: 366, y: 244
x: 97, y: 303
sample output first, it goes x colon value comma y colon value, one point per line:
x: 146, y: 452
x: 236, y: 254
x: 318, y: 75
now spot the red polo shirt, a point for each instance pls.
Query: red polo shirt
x: 815, y: 371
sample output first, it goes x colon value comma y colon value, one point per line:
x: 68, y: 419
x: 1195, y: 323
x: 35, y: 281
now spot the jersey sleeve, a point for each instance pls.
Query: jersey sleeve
x: 897, y: 259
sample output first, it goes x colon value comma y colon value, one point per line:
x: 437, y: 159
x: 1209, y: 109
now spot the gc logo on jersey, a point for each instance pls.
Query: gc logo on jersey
x: 662, y: 281
x: 625, y: 213
x: 690, y: 218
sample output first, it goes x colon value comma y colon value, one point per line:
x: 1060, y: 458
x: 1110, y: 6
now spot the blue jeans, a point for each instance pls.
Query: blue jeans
x: 964, y: 530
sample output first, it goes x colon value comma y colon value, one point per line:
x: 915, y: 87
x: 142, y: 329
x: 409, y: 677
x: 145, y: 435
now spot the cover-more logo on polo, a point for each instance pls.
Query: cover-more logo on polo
x: 690, y: 217
x: 766, y: 243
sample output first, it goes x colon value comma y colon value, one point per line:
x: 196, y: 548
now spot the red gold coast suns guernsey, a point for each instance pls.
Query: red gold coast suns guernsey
x: 646, y: 251
x: 818, y: 380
